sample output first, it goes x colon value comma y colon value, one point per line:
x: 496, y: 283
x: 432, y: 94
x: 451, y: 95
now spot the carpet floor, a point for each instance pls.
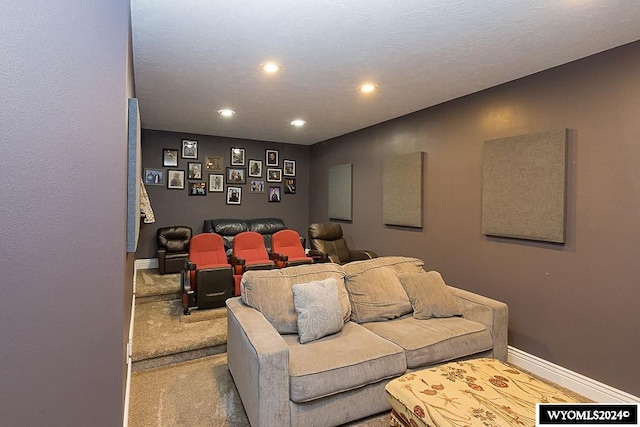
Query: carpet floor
x: 196, y: 393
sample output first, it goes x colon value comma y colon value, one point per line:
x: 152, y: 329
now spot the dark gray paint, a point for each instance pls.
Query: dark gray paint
x: 177, y: 207
x: 571, y: 304
x: 62, y: 258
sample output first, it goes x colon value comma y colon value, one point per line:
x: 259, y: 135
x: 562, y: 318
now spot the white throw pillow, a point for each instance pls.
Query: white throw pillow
x: 318, y: 309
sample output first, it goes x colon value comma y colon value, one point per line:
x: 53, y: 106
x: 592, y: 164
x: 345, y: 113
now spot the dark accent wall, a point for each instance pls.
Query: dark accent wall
x: 62, y: 227
x: 572, y: 304
x: 177, y: 207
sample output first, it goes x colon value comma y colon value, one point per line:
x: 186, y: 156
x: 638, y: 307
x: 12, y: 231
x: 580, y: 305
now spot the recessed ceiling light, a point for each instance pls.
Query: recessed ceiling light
x: 368, y: 87
x: 226, y: 113
x: 298, y: 123
x: 270, y: 67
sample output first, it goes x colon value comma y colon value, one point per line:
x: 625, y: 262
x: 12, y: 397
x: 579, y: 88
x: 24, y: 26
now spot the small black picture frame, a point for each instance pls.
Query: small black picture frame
x: 194, y: 170
x: 237, y: 156
x: 274, y: 194
x: 289, y: 167
x: 216, y: 183
x: 255, y: 168
x: 189, y: 149
x: 169, y: 158
x: 271, y: 157
x: 236, y: 176
x: 274, y: 175
x: 198, y: 188
x: 175, y: 179
x: 289, y: 186
x: 234, y: 195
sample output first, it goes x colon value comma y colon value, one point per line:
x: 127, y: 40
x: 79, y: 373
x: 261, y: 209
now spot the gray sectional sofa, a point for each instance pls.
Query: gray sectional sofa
x: 393, y: 317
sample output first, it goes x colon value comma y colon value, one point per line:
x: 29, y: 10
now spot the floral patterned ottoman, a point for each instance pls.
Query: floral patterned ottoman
x: 481, y: 392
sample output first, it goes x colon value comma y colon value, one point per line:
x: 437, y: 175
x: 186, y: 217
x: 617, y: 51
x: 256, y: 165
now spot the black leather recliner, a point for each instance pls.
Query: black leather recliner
x: 327, y: 239
x: 173, y: 248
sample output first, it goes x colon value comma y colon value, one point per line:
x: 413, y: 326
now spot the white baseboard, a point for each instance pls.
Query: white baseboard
x: 587, y: 387
x: 145, y: 264
x: 127, y: 393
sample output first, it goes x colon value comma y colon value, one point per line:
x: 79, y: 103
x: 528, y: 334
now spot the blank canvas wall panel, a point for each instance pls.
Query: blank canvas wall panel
x: 402, y: 190
x: 134, y: 175
x: 340, y: 192
x: 524, y: 186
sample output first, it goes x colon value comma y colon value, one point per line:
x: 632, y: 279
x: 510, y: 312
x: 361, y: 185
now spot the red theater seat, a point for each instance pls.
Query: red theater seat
x: 249, y: 253
x: 207, y: 278
x: 287, y: 250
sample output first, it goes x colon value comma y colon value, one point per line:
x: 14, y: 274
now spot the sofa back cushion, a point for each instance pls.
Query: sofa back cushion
x: 375, y: 292
x: 399, y: 264
x: 271, y: 292
x: 376, y: 295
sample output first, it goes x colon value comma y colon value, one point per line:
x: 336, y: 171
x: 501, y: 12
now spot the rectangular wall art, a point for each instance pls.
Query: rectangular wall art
x: 134, y: 176
x: 340, y: 188
x: 524, y: 186
x: 403, y: 190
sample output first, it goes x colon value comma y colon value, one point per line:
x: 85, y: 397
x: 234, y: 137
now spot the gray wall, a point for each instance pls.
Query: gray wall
x: 62, y: 228
x: 177, y: 207
x: 571, y: 304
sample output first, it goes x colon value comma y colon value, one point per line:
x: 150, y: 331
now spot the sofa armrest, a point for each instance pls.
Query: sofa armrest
x: 489, y: 312
x: 162, y: 255
x: 280, y: 259
x: 258, y: 359
x: 361, y: 255
x: 318, y: 256
x: 237, y: 264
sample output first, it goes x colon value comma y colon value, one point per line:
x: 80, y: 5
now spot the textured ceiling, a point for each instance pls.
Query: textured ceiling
x: 192, y: 58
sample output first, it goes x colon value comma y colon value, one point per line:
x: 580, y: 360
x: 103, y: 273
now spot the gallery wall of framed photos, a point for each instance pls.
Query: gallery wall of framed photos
x: 190, y: 178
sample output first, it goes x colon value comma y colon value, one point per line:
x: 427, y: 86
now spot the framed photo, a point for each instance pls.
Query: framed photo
x: 236, y: 176
x: 289, y: 186
x: 198, y: 188
x: 274, y: 175
x: 189, y: 149
x: 234, y: 195
x: 274, y: 194
x: 257, y: 186
x: 175, y: 179
x: 213, y: 163
x: 195, y: 170
x: 154, y: 177
x: 255, y: 168
x: 272, y: 157
x: 216, y: 183
x: 237, y: 157
x: 169, y: 158
x: 289, y: 167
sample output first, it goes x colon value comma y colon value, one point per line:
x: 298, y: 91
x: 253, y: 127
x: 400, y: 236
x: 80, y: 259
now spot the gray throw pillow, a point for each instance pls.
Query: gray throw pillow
x: 429, y: 295
x: 318, y: 309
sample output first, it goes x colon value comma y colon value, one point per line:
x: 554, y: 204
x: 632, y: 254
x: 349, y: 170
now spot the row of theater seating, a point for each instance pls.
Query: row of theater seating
x: 212, y: 264
x: 210, y: 277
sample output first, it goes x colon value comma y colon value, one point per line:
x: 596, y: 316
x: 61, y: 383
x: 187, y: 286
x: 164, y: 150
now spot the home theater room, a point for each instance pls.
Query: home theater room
x: 323, y: 213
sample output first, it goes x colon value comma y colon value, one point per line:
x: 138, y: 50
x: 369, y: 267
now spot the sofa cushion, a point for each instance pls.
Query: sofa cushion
x: 376, y: 294
x: 429, y: 295
x: 352, y: 358
x: 318, y: 309
x: 270, y: 292
x: 427, y: 342
x: 397, y: 263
